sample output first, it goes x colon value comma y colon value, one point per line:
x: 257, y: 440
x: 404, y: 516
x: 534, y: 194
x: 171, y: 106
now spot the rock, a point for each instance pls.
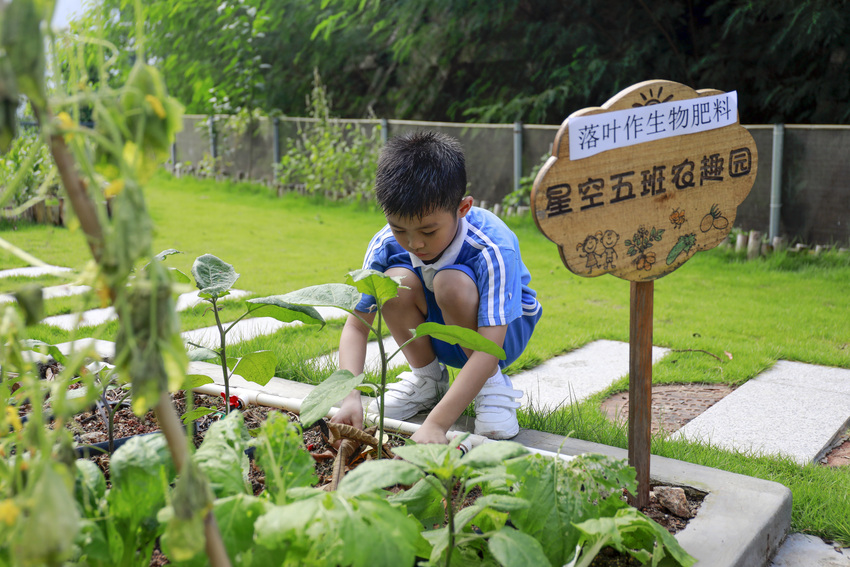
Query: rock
x: 674, y: 500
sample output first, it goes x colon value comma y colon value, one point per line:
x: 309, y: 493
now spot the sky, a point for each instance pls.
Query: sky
x: 65, y: 11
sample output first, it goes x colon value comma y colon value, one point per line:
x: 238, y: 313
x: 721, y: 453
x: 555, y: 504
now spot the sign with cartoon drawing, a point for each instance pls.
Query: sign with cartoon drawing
x: 637, y: 186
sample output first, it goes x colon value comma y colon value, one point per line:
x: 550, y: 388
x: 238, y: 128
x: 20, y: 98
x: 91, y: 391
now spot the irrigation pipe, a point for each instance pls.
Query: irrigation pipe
x: 256, y: 397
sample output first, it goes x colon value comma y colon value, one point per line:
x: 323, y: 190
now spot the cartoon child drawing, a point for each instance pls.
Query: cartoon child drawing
x: 589, y: 248
x: 609, y: 239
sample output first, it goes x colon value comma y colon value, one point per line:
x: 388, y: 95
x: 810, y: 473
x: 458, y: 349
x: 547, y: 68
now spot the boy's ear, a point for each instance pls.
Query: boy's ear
x: 465, y: 205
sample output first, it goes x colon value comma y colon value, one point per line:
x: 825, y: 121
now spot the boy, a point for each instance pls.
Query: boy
x: 462, y: 267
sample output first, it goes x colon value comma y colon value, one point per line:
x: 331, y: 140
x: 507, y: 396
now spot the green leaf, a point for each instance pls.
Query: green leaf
x: 493, y: 454
x: 199, y: 354
x: 423, y: 501
x: 44, y: 347
x: 442, y: 461
x: 257, y: 366
x: 196, y: 380
x: 322, y: 398
x: 371, y: 282
x: 178, y: 276
x: 334, y: 529
x: 285, y: 312
x: 326, y: 295
x: 89, y: 486
x: 374, y: 475
x: 222, y: 456
x: 165, y: 253
x: 280, y: 453
x: 213, y: 276
x: 138, y: 490
x: 512, y: 548
x: 196, y: 413
x: 466, y: 338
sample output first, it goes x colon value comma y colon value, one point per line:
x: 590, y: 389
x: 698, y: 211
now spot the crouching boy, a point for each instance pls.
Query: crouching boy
x: 463, y: 267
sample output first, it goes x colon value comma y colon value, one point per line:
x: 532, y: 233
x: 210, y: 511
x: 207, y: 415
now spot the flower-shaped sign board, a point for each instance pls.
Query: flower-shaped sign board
x: 637, y: 186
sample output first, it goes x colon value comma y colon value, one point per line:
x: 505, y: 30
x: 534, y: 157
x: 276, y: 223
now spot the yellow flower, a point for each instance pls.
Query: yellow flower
x: 13, y: 418
x: 156, y: 105
x: 66, y: 123
x: 9, y: 512
x: 114, y: 188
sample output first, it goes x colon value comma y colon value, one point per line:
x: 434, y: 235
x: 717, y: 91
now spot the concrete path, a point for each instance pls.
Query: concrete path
x: 32, y: 271
x: 576, y: 375
x: 791, y: 409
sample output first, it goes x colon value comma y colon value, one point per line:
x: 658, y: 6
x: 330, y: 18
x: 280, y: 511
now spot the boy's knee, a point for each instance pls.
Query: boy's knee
x: 455, y: 291
x: 413, y: 296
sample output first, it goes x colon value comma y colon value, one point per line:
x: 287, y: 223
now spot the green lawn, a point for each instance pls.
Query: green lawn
x: 786, y: 307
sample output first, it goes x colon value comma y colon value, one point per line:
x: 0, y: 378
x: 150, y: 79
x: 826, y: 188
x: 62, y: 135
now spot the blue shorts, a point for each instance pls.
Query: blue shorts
x: 516, y: 339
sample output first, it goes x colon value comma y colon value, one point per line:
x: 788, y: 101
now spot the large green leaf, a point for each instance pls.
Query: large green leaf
x: 257, y: 366
x: 371, y: 282
x: 424, y: 501
x: 138, y: 491
x: 512, y: 548
x: 374, y: 475
x: 466, y: 338
x: 222, y: 456
x: 325, y: 295
x: 493, y: 454
x: 280, y: 453
x: 213, y: 276
x: 334, y: 388
x: 199, y: 354
x: 333, y: 529
x: 274, y: 306
x: 442, y: 461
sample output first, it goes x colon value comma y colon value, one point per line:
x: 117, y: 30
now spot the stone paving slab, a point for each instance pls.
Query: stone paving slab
x: 104, y: 349
x: 576, y: 375
x: 32, y: 271
x: 90, y: 318
x: 800, y: 550
x: 791, y: 409
x: 51, y: 292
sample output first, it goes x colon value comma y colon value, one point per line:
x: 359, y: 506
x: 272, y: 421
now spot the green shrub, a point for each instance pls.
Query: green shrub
x: 27, y: 174
x: 328, y: 157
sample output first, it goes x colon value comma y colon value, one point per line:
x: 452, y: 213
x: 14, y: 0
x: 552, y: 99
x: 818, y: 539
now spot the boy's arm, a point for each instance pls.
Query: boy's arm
x: 466, y: 386
x: 352, y: 357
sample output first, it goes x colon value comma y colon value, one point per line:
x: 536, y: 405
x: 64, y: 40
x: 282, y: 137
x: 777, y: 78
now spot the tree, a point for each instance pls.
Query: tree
x: 530, y: 60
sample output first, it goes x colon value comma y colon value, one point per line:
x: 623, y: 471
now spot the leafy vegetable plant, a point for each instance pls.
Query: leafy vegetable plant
x: 346, y: 296
x: 214, y: 279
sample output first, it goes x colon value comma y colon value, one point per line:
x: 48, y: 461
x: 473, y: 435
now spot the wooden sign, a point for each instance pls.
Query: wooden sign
x: 637, y: 186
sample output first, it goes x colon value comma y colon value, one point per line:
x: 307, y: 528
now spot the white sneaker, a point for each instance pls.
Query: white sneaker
x: 495, y: 411
x: 411, y: 395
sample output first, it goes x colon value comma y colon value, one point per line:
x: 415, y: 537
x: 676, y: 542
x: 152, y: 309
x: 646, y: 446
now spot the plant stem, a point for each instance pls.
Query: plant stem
x: 450, y: 511
x: 223, y: 355
x: 383, y: 385
x: 81, y: 201
x: 169, y: 423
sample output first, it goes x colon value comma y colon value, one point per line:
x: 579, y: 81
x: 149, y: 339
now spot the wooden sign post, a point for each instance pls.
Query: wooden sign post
x: 636, y: 187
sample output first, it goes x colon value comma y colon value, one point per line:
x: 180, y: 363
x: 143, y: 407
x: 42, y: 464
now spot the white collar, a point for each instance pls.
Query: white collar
x: 451, y: 252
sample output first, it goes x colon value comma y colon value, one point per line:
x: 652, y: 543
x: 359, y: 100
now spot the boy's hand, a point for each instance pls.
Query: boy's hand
x: 350, y: 411
x: 430, y: 434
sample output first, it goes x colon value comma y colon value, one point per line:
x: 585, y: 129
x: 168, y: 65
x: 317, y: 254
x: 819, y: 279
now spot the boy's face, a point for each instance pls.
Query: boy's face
x: 426, y: 237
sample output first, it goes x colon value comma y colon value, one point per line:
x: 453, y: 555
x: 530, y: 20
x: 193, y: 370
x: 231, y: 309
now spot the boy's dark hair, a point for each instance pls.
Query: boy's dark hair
x: 420, y: 173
